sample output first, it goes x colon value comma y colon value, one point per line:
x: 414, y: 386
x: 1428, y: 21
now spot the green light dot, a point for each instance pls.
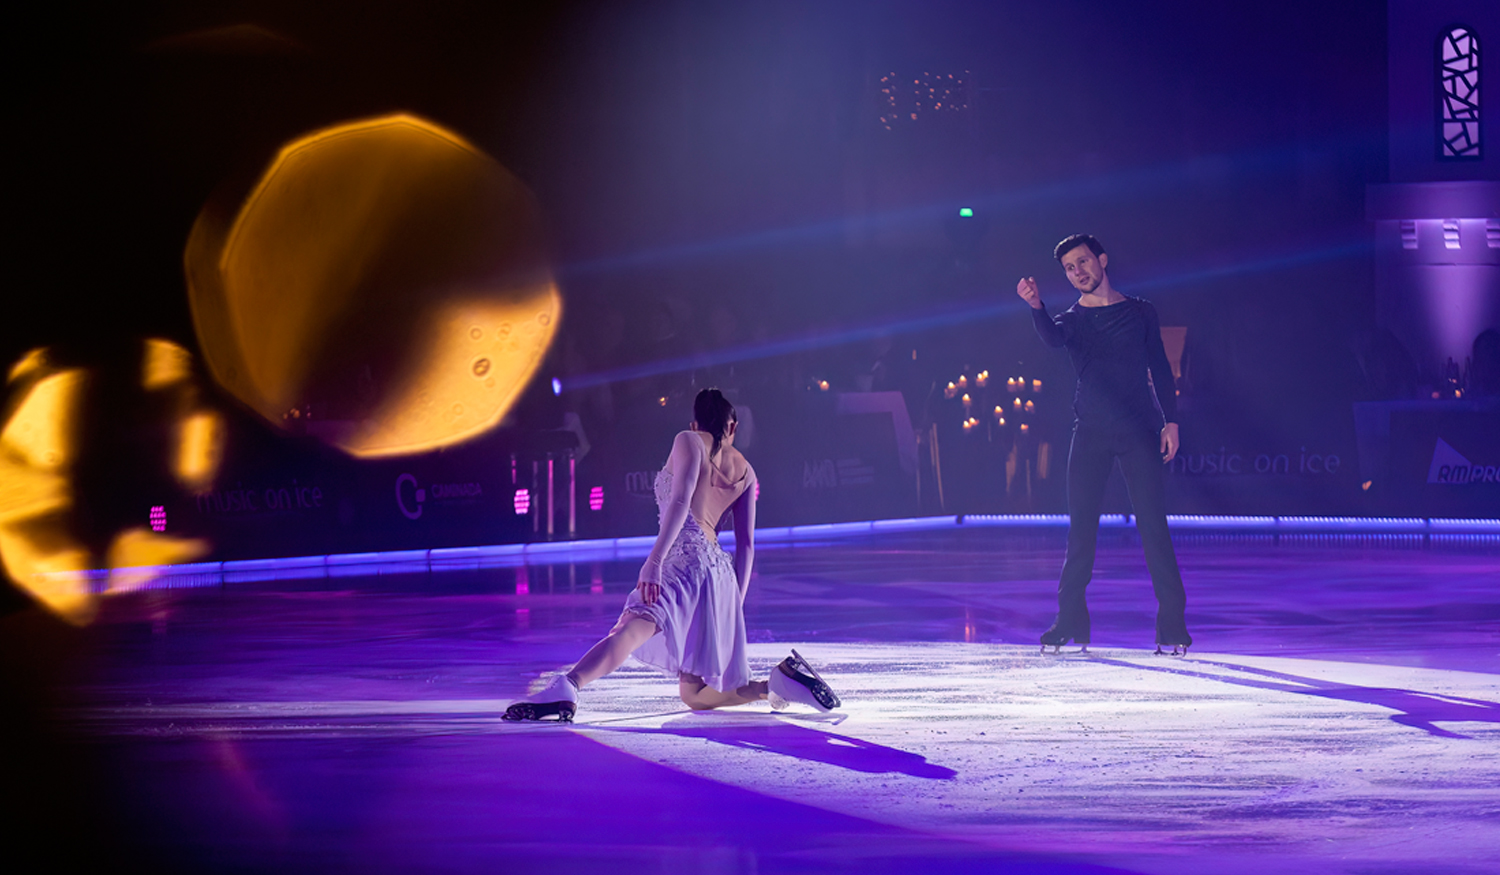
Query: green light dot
x: 966, y: 212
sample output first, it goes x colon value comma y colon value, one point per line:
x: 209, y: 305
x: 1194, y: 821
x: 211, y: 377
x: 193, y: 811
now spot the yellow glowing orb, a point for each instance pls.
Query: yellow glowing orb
x: 384, y: 286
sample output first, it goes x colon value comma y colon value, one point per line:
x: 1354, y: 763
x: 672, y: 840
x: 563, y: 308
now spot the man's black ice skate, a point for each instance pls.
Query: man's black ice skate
x: 558, y: 699
x: 1055, y: 640
x: 793, y: 680
x: 1180, y: 644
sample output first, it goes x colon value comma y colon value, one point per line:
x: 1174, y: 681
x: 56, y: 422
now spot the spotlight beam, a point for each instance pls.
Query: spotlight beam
x: 955, y: 314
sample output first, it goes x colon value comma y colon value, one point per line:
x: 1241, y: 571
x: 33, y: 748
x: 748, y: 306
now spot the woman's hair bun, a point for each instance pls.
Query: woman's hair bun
x: 713, y: 413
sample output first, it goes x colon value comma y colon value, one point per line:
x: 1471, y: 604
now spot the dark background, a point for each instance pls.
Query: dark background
x: 715, y: 177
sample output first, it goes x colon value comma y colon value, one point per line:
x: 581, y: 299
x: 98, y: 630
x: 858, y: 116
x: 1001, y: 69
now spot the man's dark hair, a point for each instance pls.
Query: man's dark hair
x: 1073, y: 241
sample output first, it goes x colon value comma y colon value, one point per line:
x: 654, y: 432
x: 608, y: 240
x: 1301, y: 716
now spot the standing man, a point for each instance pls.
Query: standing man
x: 1120, y: 415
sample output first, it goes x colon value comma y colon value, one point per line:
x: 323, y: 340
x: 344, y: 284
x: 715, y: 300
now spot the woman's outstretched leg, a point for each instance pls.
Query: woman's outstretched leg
x: 560, y: 697
x: 701, y: 697
x: 610, y: 653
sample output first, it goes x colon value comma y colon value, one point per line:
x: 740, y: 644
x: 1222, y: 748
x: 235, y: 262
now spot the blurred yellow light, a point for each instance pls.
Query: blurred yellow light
x: 200, y: 449
x: 38, y: 445
x: 51, y: 572
x: 42, y: 432
x: 164, y: 364
x: 136, y: 557
x: 28, y: 364
x: 385, y: 269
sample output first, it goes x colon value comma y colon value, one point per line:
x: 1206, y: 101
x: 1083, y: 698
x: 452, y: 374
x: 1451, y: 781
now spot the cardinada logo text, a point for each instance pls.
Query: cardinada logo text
x: 411, y: 497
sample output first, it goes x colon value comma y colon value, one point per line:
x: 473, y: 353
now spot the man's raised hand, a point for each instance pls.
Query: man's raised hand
x: 1026, y: 288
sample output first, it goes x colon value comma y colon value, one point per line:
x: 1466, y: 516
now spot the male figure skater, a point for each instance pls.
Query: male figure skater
x: 1119, y: 416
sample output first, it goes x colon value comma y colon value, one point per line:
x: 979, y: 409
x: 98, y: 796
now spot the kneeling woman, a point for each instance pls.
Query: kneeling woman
x: 686, y: 614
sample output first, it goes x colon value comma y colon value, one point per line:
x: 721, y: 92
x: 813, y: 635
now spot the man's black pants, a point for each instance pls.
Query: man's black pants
x: 1090, y: 458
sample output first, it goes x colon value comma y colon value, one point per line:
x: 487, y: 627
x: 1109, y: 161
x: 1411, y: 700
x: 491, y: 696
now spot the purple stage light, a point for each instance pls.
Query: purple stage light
x: 522, y: 502
x: 596, y: 498
x: 158, y: 518
x: 1460, y: 303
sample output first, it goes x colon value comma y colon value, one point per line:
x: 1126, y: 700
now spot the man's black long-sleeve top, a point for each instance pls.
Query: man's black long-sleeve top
x: 1113, y: 348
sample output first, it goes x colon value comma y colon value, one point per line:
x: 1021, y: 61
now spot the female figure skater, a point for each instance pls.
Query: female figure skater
x: 686, y: 614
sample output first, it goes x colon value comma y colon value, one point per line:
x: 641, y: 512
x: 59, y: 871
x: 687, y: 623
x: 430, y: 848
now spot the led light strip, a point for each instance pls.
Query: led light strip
x: 199, y: 574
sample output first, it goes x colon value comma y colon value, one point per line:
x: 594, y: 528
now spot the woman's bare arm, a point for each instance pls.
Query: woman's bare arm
x: 684, y: 463
x: 744, y: 533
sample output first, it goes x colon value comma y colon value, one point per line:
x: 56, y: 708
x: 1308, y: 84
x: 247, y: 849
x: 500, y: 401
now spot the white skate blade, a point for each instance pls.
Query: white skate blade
x: 558, y: 698
x: 792, y: 684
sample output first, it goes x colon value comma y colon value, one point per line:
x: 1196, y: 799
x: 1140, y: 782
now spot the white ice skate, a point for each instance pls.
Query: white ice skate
x: 793, y: 680
x: 558, y: 699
